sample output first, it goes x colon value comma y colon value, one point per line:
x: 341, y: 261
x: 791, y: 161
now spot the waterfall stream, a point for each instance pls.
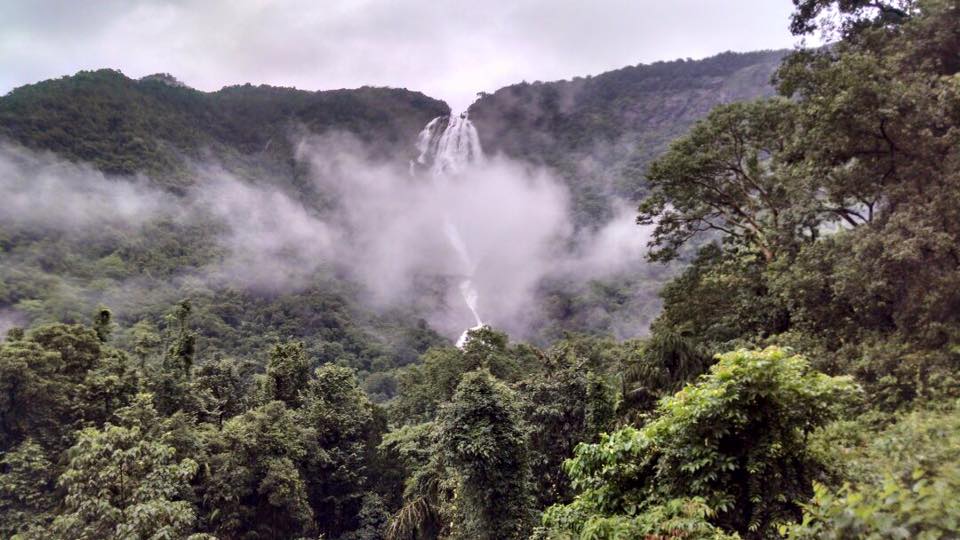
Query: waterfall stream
x: 447, y: 146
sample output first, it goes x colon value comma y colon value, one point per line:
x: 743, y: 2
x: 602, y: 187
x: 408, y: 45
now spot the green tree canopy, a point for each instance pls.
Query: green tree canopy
x: 483, y: 441
x: 255, y: 484
x: 736, y: 441
x: 903, y: 482
x: 123, y: 481
x: 340, y: 435
x: 728, y: 175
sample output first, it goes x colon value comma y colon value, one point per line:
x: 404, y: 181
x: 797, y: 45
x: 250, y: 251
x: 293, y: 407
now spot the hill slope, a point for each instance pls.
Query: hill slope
x: 600, y: 132
x: 126, y: 126
x: 595, y: 133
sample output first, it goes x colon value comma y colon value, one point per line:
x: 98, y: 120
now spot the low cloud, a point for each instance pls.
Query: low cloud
x: 42, y: 191
x: 410, y: 240
x: 499, y: 223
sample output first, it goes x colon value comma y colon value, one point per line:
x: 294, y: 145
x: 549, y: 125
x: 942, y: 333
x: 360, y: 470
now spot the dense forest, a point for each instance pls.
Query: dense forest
x: 112, y: 129
x: 800, y: 381
x: 156, y: 124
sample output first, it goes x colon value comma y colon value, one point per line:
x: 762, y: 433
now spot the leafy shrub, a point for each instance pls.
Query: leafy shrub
x: 905, y: 484
x: 736, y: 441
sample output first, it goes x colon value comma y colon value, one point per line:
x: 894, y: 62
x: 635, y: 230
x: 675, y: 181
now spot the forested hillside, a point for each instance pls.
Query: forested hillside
x: 152, y: 125
x: 173, y: 135
x: 834, y: 208
x: 116, y: 129
x: 801, y: 380
x: 600, y: 132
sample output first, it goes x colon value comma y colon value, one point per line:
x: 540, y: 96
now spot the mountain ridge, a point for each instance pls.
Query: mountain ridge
x: 126, y: 126
x: 246, y: 118
x: 607, y: 128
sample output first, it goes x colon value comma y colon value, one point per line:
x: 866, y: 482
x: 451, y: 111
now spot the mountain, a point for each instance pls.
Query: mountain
x: 595, y: 133
x: 195, y: 347
x: 142, y: 263
x: 152, y: 125
x: 599, y: 132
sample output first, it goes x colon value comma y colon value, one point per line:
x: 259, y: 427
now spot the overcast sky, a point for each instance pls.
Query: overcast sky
x: 449, y: 49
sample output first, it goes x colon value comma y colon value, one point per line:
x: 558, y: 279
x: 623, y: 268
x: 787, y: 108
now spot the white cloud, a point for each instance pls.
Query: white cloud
x: 449, y: 49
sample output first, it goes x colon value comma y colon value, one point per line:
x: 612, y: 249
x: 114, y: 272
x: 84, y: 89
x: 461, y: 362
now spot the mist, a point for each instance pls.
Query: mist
x: 383, y: 228
x: 40, y: 191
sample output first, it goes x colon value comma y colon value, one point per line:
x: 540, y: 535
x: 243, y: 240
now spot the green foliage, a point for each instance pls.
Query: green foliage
x: 483, y: 441
x: 102, y: 323
x: 220, y: 390
x: 833, y: 211
x: 254, y: 484
x: 287, y: 374
x: 722, y: 300
x: 562, y: 396
x: 905, y: 483
x: 56, y: 379
x: 169, y: 379
x: 668, y: 361
x: 599, y: 133
x: 26, y: 488
x: 431, y: 382
x: 726, y: 176
x: 125, y: 126
x: 184, y: 345
x: 373, y: 519
x: 825, y: 219
x: 244, y: 324
x: 676, y: 518
x: 123, y: 481
x: 161, y: 130
x: 854, y: 15
x: 737, y: 439
x: 340, y: 433
x: 566, y: 404
x: 426, y: 486
x: 615, y: 305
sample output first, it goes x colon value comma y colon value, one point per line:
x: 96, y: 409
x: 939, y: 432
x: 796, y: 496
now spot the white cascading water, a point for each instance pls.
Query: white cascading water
x: 447, y: 146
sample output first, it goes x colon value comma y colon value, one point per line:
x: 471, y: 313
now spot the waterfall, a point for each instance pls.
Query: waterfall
x: 447, y: 145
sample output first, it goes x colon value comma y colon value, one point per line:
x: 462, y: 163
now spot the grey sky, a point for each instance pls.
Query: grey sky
x: 449, y: 49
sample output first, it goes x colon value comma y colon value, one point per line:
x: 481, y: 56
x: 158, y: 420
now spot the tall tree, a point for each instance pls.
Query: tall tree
x: 123, y: 481
x: 219, y: 388
x: 565, y: 404
x: 341, y: 437
x: 484, y: 443
x: 728, y: 176
x: 287, y: 374
x: 255, y: 485
x: 170, y: 380
x: 27, y: 496
x: 58, y: 378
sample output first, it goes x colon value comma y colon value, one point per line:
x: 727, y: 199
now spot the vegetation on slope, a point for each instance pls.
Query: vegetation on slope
x: 830, y: 274
x: 600, y: 132
x: 127, y: 126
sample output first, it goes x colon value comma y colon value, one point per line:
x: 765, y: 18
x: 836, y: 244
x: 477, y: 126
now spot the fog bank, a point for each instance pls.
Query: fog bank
x: 383, y: 228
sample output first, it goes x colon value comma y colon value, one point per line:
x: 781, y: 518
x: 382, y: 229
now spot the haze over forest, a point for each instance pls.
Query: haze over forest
x: 433, y: 296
